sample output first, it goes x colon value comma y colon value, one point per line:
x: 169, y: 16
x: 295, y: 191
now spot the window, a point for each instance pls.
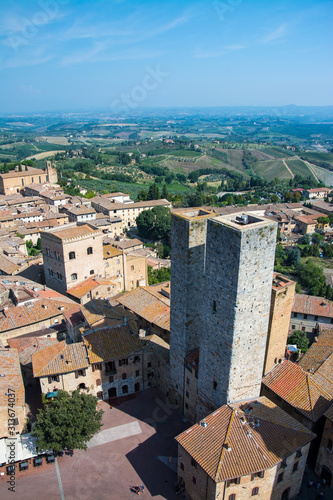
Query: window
x: 123, y: 362
x: 111, y: 379
x: 73, y: 276
x: 193, y: 463
x: 110, y: 366
x: 316, y: 318
x: 125, y: 389
x: 232, y: 496
x: 117, y: 261
x: 149, y: 365
x: 295, y: 466
x: 182, y: 466
x: 80, y: 373
x: 303, y: 328
x: 92, y: 271
x: 136, y: 359
x: 54, y: 378
x: 109, y: 289
x: 214, y: 306
x: 295, y: 315
x: 89, y: 250
x: 293, y: 327
x: 100, y: 394
x: 137, y: 373
x: 59, y: 276
x: 260, y: 474
x: 96, y: 366
x: 124, y: 376
x: 132, y: 268
x: 194, y: 481
x: 187, y: 380
x: 298, y: 453
x: 236, y: 480
x: 283, y: 464
x: 57, y: 255
x: 329, y: 445
x: 187, y: 394
x: 40, y: 179
x: 71, y: 255
x: 50, y: 272
x: 280, y: 478
x: 215, y: 385
x: 186, y: 406
x: 150, y: 375
x: 255, y: 491
x: 96, y: 294
x: 48, y: 251
x: 98, y: 381
x: 305, y: 316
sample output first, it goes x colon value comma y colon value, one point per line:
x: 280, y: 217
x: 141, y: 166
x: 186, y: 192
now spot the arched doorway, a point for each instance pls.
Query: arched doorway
x: 125, y: 389
x: 112, y: 392
x: 285, y: 494
x: 326, y: 474
x: 137, y: 387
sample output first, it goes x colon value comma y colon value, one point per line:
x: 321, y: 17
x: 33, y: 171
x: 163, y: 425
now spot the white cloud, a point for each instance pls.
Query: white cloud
x: 280, y: 32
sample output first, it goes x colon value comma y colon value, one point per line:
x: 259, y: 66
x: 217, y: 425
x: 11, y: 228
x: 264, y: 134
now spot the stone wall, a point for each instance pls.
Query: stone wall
x: 325, y: 454
x: 188, y: 241
x: 281, y: 306
x: 235, y: 314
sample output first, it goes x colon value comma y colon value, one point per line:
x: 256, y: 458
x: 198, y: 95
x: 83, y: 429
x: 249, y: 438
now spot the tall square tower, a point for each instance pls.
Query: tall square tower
x: 188, y: 242
x: 235, y: 313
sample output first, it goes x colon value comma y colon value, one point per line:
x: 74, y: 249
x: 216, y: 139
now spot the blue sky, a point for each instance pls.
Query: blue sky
x: 71, y: 55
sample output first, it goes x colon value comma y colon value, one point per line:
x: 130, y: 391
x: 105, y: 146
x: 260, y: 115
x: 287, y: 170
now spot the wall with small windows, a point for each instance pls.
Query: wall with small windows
x: 262, y: 485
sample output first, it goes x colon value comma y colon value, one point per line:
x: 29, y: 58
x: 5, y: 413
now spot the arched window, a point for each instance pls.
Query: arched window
x: 232, y: 496
x: 89, y: 250
x: 255, y: 491
x: 73, y: 276
x: 125, y: 389
x: 71, y: 255
x: 92, y: 272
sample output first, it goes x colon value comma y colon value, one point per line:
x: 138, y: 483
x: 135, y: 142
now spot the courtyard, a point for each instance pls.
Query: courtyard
x: 135, y: 446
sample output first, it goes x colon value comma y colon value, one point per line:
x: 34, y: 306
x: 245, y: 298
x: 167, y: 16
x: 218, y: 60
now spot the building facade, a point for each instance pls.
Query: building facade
x: 236, y: 304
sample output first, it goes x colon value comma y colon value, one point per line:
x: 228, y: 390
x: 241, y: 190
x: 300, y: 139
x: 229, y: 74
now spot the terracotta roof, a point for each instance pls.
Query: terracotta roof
x: 280, y: 281
x: 31, y: 312
x: 318, y: 353
x: 27, y: 346
x: 298, y: 388
x: 7, y: 266
x: 125, y: 244
x: 10, y: 367
x: 24, y: 173
x: 318, y: 190
x: 146, y: 304
x: 317, y: 306
x: 59, y: 358
x: 243, y: 438
x: 110, y: 251
x: 74, y: 232
x: 86, y: 286
x: 111, y: 343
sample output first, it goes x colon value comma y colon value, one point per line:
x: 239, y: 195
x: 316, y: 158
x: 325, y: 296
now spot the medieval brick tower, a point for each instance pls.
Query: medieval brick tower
x: 283, y: 293
x: 235, y: 313
x: 188, y: 241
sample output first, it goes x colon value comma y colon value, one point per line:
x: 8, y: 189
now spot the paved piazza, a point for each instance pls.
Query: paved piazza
x: 135, y: 446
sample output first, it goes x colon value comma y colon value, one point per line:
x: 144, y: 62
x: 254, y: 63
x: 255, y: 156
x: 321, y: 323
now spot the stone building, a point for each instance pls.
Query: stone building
x: 243, y: 450
x: 283, y: 291
x: 188, y: 241
x: 236, y: 304
x: 12, y: 394
x: 14, y: 181
x: 324, y: 463
x: 71, y: 255
x: 309, y: 311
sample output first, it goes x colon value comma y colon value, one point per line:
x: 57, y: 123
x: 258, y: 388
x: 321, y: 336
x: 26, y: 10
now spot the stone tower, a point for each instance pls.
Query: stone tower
x: 52, y: 176
x: 283, y: 292
x: 236, y: 303
x: 188, y: 242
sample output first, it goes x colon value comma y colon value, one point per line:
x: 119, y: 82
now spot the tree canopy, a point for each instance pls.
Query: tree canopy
x: 300, y: 339
x: 155, y: 224
x: 70, y: 420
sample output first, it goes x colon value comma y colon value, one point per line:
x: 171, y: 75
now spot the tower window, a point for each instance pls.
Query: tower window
x: 92, y: 272
x: 255, y: 491
x: 215, y: 385
x: 73, y: 276
x: 214, y: 306
x: 89, y: 250
x: 71, y: 255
